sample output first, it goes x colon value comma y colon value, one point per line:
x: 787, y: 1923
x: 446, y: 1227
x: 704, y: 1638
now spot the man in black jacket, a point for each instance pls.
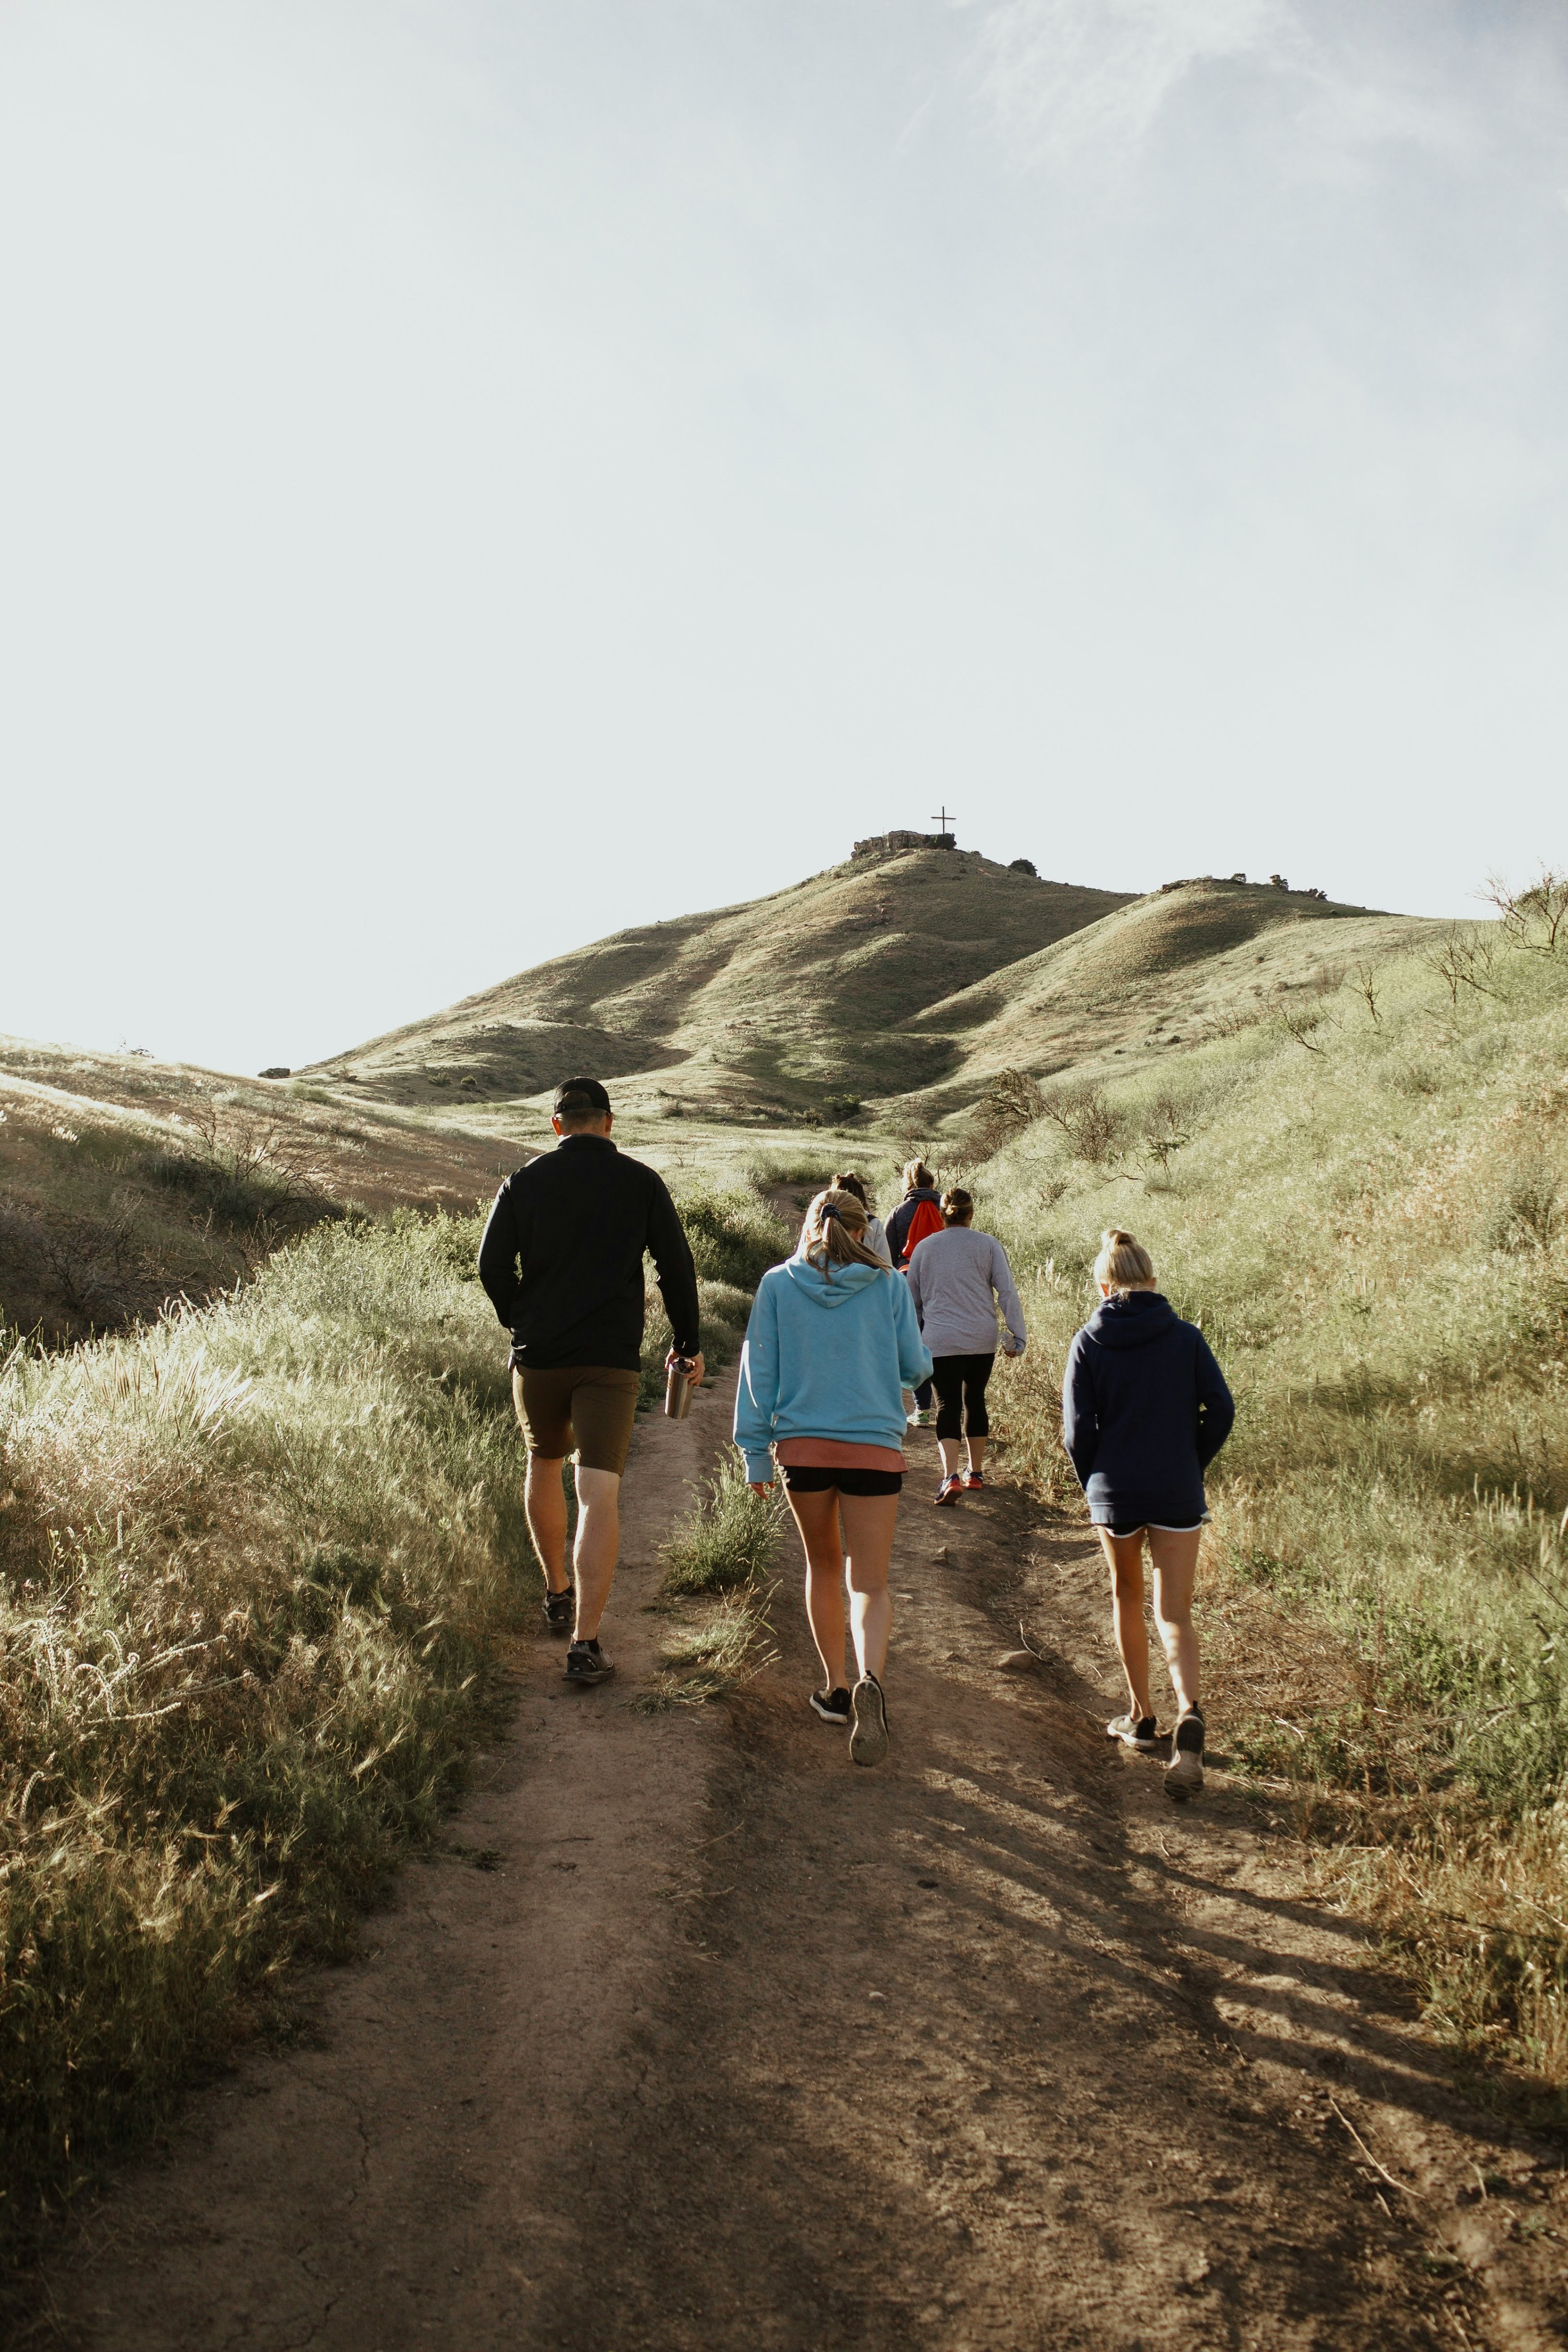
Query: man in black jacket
x: 562, y: 1260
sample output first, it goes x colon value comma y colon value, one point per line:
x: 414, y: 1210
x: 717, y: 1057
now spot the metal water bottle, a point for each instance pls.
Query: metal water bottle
x: 678, y: 1390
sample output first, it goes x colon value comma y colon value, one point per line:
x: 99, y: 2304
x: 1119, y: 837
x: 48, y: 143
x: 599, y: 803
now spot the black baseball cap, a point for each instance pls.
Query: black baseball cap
x: 580, y: 1094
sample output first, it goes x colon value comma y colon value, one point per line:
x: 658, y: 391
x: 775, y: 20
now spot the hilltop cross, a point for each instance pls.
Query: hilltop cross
x: 943, y: 820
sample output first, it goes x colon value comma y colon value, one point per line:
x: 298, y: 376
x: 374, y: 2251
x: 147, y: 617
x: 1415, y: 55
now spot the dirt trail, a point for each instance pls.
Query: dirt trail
x: 736, y: 2046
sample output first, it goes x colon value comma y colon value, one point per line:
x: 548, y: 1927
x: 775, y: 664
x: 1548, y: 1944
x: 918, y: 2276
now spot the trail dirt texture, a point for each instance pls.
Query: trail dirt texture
x: 696, y: 2036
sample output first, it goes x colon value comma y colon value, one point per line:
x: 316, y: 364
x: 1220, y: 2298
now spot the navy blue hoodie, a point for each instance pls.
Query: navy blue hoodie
x: 1144, y: 1411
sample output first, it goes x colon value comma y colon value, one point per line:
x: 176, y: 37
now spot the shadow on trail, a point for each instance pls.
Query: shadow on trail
x: 965, y: 2058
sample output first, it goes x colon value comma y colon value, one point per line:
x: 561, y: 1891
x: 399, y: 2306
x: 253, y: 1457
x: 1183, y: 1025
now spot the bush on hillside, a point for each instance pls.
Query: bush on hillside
x: 727, y: 1539
x: 724, y: 1311
x: 734, y: 1236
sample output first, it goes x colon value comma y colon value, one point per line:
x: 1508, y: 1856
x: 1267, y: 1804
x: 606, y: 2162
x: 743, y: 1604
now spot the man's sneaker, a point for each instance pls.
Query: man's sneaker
x: 1184, y: 1772
x: 1134, y: 1731
x: 948, y: 1493
x: 586, y: 1663
x: 924, y: 1418
x: 560, y: 1610
x: 972, y: 1482
x: 869, y: 1740
x: 833, y: 1707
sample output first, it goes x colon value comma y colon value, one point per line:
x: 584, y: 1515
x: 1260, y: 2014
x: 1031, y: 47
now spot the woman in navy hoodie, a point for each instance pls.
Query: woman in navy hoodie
x: 1144, y: 1411
x: 831, y: 1346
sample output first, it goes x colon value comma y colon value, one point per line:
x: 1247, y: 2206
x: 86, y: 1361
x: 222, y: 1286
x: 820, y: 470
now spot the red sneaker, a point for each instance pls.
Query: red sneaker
x: 948, y: 1493
x: 972, y: 1480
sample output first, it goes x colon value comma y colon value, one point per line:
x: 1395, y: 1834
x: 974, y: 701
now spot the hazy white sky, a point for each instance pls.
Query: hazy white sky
x: 477, y: 473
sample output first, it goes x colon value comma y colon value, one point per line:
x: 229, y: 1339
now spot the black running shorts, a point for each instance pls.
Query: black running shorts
x: 801, y: 1480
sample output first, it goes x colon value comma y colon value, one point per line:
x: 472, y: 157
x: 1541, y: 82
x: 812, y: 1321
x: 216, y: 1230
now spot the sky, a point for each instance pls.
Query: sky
x: 478, y: 474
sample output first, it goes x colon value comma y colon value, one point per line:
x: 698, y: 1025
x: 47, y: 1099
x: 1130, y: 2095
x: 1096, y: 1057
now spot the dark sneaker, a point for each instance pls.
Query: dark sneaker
x: 948, y: 1493
x: 560, y: 1610
x: 1184, y: 1772
x: 869, y: 1740
x: 972, y: 1482
x: 833, y: 1707
x: 1138, y: 1731
x: 586, y: 1663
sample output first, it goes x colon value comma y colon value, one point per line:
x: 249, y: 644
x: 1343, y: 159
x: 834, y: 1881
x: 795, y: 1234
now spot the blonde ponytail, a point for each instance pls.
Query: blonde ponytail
x: 835, y: 1233
x: 1123, y: 1263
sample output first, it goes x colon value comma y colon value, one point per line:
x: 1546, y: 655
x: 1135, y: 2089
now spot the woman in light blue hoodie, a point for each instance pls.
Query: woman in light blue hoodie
x: 831, y: 1346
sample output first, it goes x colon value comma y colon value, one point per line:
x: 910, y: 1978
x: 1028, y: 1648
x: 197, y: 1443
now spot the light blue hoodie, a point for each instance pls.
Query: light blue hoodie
x: 826, y: 1359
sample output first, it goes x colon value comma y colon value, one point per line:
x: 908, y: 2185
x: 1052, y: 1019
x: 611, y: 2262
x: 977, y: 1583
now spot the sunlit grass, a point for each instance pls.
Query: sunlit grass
x: 1370, y: 1227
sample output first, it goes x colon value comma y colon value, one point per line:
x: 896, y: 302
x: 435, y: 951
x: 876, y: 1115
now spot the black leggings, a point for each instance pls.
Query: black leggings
x: 961, y: 1394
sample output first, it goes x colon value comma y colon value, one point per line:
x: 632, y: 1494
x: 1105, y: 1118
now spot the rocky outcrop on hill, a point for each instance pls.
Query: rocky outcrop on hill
x: 884, y: 845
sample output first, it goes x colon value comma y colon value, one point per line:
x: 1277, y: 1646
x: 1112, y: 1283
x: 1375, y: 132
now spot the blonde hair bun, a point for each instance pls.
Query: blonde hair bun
x: 1123, y: 1263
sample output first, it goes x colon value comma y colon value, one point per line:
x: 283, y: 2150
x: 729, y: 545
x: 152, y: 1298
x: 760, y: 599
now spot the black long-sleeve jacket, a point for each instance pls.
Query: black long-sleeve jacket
x: 562, y: 1258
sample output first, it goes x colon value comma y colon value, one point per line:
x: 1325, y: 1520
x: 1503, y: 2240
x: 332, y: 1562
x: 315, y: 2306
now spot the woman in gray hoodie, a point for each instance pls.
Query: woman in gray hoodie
x: 957, y: 1279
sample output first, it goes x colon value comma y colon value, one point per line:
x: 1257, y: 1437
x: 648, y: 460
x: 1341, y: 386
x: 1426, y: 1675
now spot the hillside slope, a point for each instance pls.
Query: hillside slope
x: 905, y: 980
x: 125, y: 1182
x: 1182, y: 964
x: 757, y: 1010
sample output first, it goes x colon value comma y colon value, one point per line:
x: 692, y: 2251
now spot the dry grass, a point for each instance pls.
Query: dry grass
x: 253, y: 1562
x: 714, y: 1653
x: 1372, y: 1234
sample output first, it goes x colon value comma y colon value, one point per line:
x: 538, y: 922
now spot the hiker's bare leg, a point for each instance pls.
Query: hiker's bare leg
x: 976, y: 1453
x: 952, y: 1451
x: 1175, y: 1558
x: 544, y: 1501
x: 868, y: 1524
x: 598, y: 1546
x: 817, y: 1516
x: 1125, y: 1557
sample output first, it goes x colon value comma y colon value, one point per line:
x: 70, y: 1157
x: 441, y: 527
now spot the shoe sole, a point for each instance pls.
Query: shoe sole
x: 1184, y: 1774
x: 602, y: 1675
x: 946, y: 1502
x: 839, y: 1722
x: 869, y: 1740
x: 1139, y: 1747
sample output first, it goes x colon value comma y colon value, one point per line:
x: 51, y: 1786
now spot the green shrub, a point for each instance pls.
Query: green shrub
x: 724, y: 1311
x: 734, y: 1236
x: 727, y: 1539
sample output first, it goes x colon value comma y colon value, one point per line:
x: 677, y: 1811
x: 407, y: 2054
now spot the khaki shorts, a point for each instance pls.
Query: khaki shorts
x: 583, y: 1409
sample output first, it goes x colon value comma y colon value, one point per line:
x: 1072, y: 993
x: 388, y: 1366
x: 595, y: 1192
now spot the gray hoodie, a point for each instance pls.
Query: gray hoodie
x: 957, y: 1279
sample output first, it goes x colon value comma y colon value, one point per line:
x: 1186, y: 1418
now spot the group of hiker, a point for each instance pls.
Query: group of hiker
x: 847, y: 1342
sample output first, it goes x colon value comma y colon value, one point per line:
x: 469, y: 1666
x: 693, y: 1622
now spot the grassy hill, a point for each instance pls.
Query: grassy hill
x: 256, y: 1559
x: 758, y: 1010
x: 1362, y: 1193
x: 903, y: 982
x: 125, y: 1182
